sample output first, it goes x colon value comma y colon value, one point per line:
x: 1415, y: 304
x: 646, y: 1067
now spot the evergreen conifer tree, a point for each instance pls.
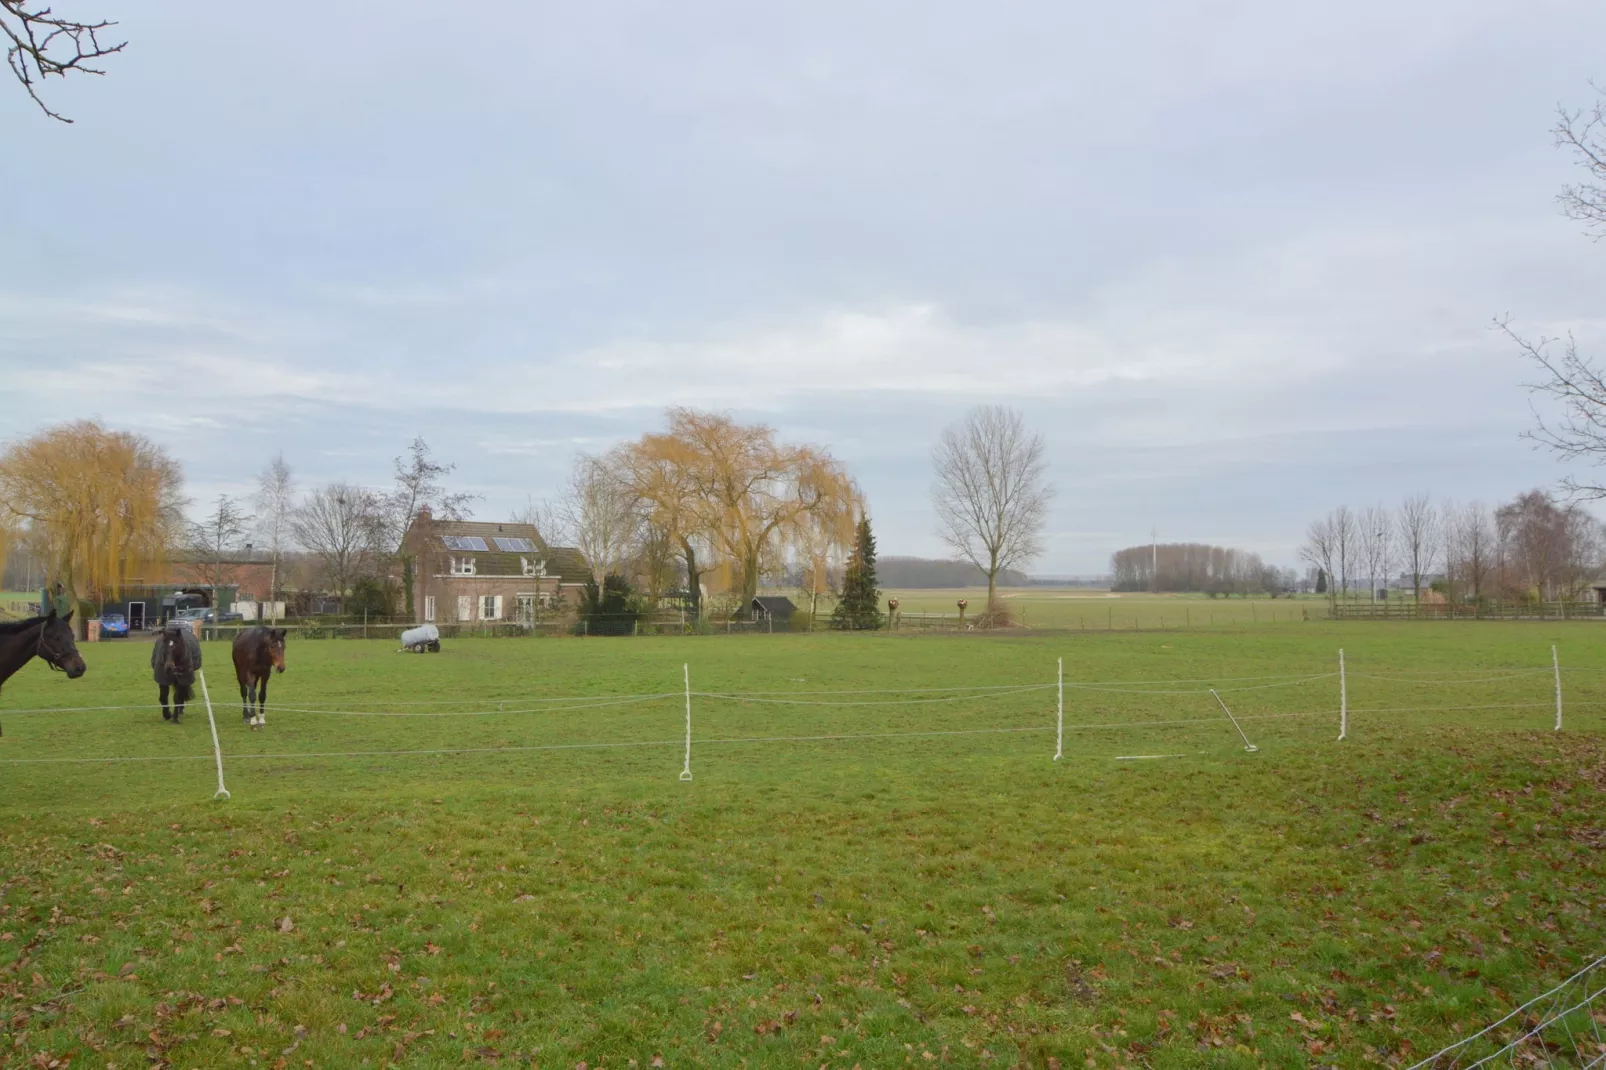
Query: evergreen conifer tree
x: 859, y: 608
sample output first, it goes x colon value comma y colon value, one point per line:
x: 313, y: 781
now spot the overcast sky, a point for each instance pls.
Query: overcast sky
x: 1237, y: 261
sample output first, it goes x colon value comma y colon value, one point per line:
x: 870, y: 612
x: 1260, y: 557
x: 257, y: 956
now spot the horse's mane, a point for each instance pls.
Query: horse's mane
x: 12, y: 627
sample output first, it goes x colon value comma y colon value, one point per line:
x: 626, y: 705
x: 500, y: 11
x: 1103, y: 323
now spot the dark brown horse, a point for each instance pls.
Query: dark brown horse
x: 258, y: 652
x: 174, y: 661
x: 48, y: 638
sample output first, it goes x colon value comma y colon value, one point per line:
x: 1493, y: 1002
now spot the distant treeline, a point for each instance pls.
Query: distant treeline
x: 1192, y: 566
x: 895, y: 572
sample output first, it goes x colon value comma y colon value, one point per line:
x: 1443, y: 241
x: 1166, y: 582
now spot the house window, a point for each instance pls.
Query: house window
x: 545, y: 600
x: 532, y: 568
x: 465, y: 607
x: 491, y: 607
x: 462, y: 566
x: 429, y: 607
x: 526, y: 608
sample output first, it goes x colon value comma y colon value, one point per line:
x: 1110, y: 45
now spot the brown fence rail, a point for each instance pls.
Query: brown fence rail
x: 1475, y: 611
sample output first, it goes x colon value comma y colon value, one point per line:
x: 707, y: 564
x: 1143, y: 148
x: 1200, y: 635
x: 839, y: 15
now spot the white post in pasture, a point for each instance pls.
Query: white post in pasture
x: 1059, y: 730
x: 217, y: 749
x: 1248, y: 746
x: 685, y: 774
x: 1343, y: 699
x: 1555, y: 664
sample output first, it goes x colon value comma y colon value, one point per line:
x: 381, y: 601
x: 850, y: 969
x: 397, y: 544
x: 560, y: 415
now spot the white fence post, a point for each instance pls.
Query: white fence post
x: 1555, y: 663
x: 217, y: 749
x: 1343, y: 699
x: 685, y: 774
x: 1059, y: 730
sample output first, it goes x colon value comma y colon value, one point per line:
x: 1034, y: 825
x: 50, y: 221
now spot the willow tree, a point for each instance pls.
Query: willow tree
x: 103, y: 505
x: 731, y: 499
x: 753, y: 495
x: 657, y: 471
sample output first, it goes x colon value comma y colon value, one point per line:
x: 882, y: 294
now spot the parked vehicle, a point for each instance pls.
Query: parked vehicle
x: 207, y: 616
x: 113, y: 624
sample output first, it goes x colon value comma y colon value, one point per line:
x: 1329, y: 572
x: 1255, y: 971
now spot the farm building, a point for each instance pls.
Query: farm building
x: 150, y: 605
x: 472, y: 571
x: 774, y: 610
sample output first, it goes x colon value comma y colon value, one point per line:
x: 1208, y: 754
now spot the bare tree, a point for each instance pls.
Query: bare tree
x: 1575, y: 428
x: 991, y: 495
x: 1548, y: 550
x: 42, y: 44
x: 1346, y: 544
x: 598, y: 512
x: 1418, y: 529
x: 419, y: 484
x: 1320, y: 550
x: 1583, y: 132
x: 275, y: 503
x: 1472, y: 550
x: 338, y: 525
x: 214, y: 539
x: 1377, y: 545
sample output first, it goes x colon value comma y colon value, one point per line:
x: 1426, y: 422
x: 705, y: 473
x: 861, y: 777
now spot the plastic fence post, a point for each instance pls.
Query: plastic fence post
x: 685, y: 774
x: 217, y: 749
x: 1248, y: 746
x: 1059, y: 730
x: 1555, y: 664
x: 1343, y: 699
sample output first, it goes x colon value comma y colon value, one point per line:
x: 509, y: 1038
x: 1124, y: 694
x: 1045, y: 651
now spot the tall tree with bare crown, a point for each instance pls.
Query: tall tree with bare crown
x: 991, y: 491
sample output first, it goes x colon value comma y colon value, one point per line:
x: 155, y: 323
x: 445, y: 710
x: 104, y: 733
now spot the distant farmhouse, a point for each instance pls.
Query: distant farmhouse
x: 470, y: 571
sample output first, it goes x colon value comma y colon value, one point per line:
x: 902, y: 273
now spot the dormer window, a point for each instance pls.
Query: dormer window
x: 532, y: 568
x: 462, y: 566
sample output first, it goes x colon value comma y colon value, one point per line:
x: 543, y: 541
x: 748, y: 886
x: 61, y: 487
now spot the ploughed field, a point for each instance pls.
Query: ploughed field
x: 489, y: 855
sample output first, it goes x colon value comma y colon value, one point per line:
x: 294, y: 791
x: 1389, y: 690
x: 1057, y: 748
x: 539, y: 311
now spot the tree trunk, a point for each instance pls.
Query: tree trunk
x: 694, y: 593
x: 749, y: 582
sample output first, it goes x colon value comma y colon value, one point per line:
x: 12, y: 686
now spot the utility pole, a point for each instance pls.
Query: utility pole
x: 1154, y: 562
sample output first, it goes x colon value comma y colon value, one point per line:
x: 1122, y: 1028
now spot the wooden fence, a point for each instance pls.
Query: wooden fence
x: 1473, y: 611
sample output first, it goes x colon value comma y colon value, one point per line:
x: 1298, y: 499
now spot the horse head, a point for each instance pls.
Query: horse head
x: 175, y: 651
x: 56, y: 646
x: 276, y: 648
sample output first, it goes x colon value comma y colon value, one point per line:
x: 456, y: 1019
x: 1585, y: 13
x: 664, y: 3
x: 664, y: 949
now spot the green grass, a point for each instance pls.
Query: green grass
x: 1086, y: 609
x: 830, y: 901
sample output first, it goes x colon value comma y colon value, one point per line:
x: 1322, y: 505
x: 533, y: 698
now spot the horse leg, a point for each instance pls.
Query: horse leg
x: 245, y: 699
x: 262, y: 702
x: 181, y: 695
x: 166, y: 716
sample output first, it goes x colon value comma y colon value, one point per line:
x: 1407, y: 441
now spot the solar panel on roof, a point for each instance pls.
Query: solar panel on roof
x: 515, y: 546
x: 463, y: 542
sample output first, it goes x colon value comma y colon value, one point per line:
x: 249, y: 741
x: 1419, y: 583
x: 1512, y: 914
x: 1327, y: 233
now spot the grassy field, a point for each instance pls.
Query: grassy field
x: 884, y: 878
x: 1086, y: 609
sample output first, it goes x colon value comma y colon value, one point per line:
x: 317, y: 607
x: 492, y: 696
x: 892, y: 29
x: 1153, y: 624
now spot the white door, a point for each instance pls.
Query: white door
x: 465, y: 607
x: 429, y: 607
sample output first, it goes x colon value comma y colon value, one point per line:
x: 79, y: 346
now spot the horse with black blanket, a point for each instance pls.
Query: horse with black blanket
x: 175, y: 659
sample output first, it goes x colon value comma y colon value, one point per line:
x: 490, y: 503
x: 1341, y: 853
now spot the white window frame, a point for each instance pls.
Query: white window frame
x: 429, y: 608
x: 494, y: 601
x: 524, y: 608
x: 462, y: 566
x: 465, y: 607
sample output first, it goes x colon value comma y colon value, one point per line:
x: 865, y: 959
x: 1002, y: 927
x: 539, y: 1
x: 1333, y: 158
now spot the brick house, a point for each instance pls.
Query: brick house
x: 470, y: 571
